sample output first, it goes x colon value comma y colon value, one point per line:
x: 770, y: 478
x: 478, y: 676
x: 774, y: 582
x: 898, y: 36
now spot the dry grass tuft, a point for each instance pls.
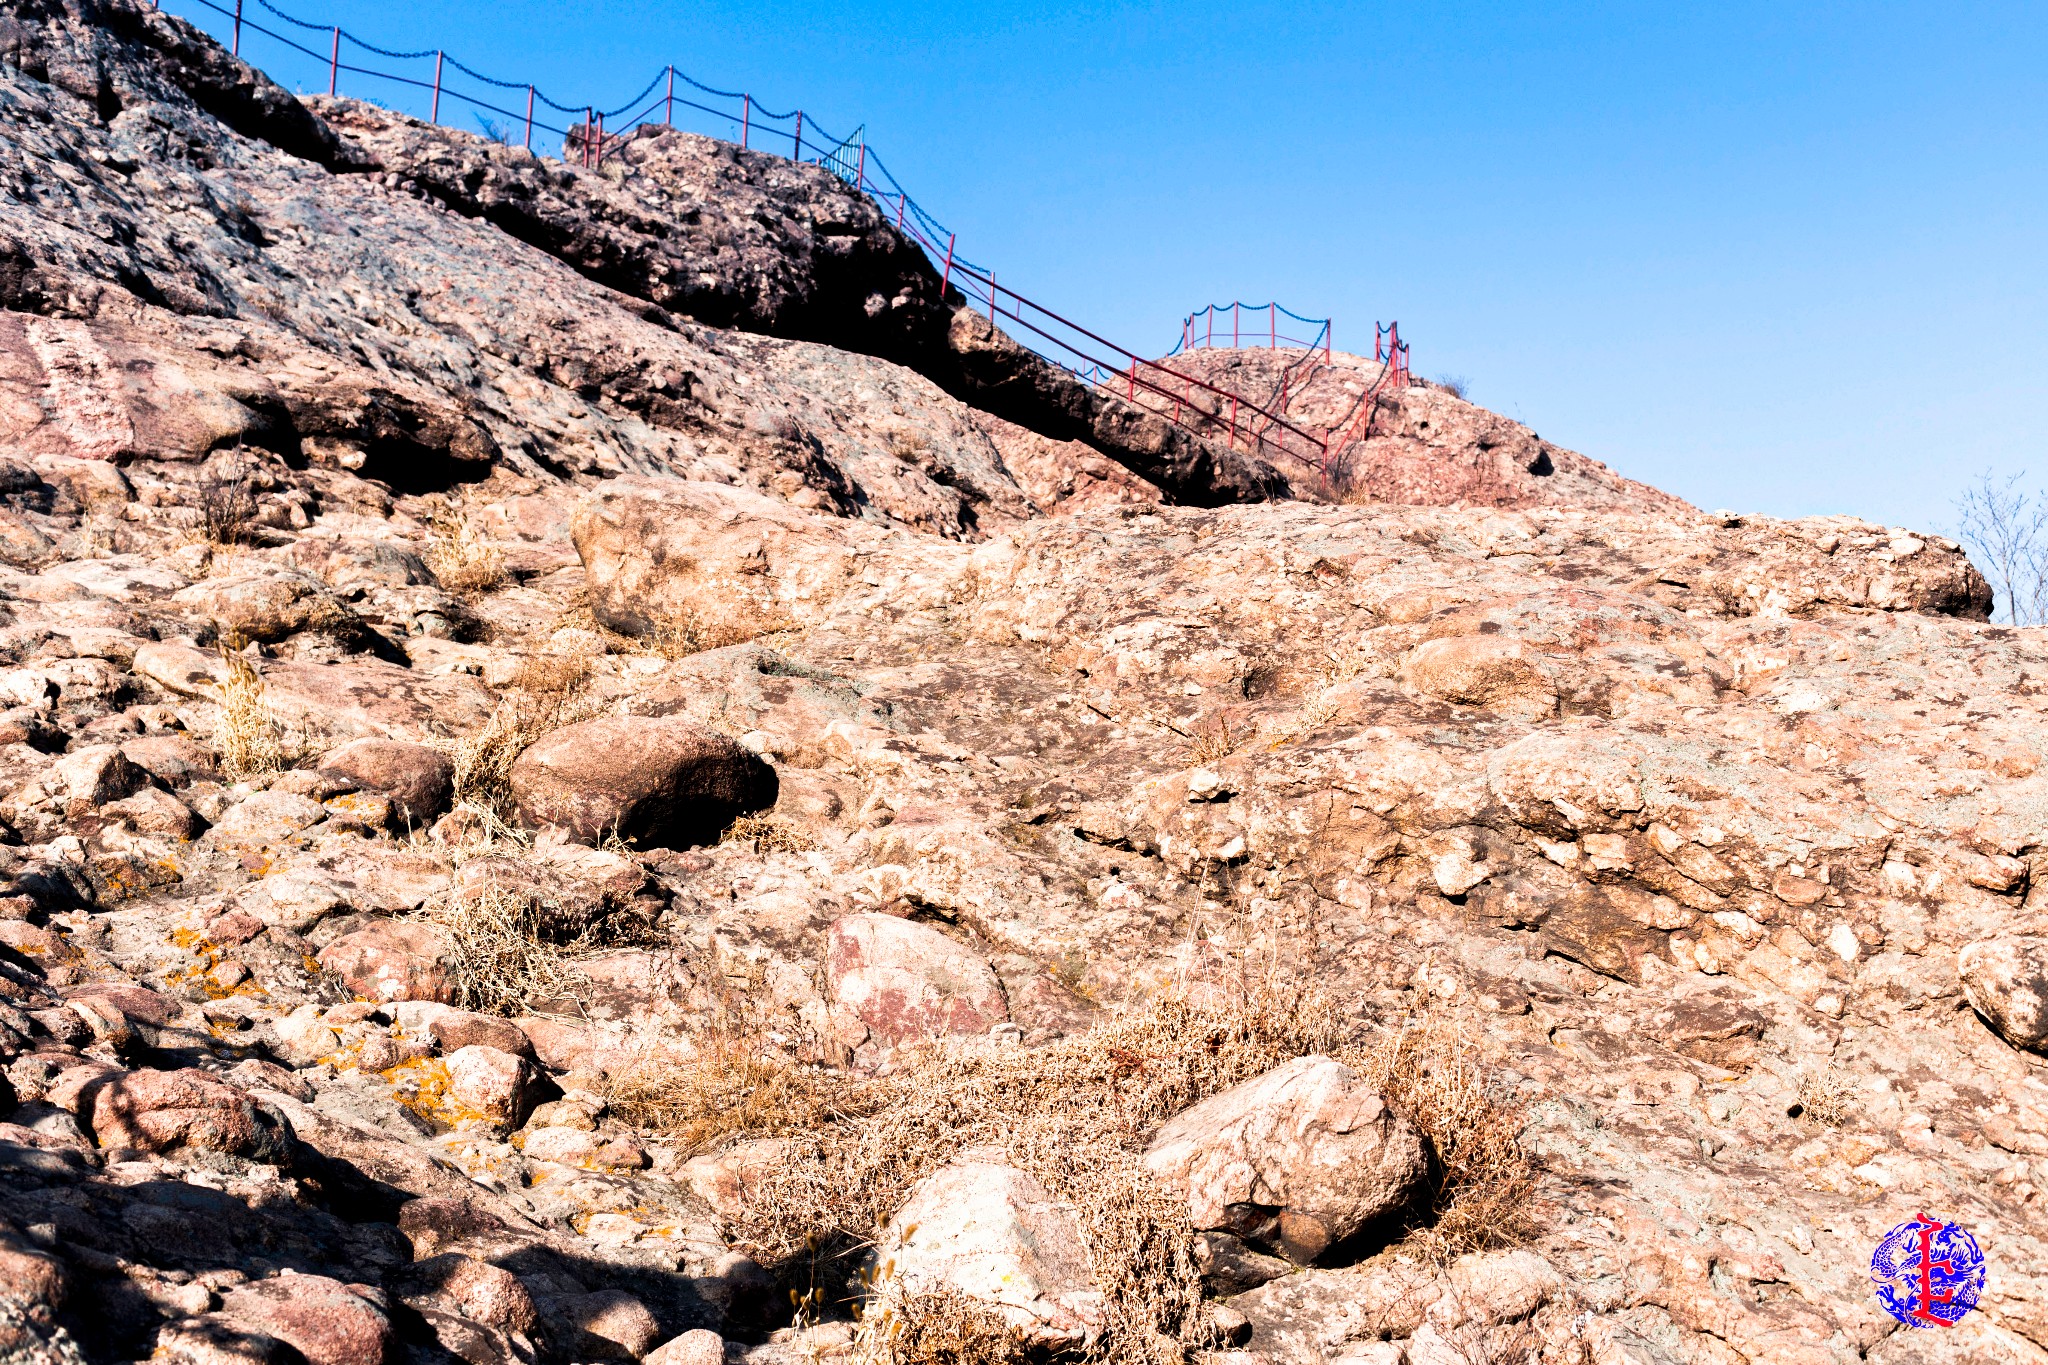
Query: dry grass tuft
x: 899, y: 1328
x: 246, y: 735
x: 724, y: 615
x: 463, y: 561
x: 227, y: 509
x: 1484, y: 1195
x: 549, y: 674
x: 713, y: 624
x: 500, y: 958
x: 483, y: 761
x: 1824, y: 1096
x: 1075, y: 1114
x: 1217, y: 738
x: 769, y: 834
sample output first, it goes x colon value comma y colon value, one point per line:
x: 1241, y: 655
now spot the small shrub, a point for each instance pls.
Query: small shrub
x: 1824, y: 1097
x: 768, y: 834
x: 1485, y: 1191
x: 227, y: 509
x: 499, y: 957
x: 463, y: 561
x: 1452, y: 384
x: 246, y: 735
x: 483, y: 761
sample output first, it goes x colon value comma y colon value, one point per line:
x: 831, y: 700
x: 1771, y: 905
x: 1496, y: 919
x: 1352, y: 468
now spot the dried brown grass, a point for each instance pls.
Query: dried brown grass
x: 1216, y: 738
x: 553, y: 673
x: 462, y: 559
x: 917, y: 1328
x: 1483, y: 1194
x: 500, y: 958
x: 483, y: 760
x: 1824, y: 1096
x: 1076, y: 1114
x: 246, y: 735
x: 724, y: 617
x: 713, y: 624
x: 768, y: 834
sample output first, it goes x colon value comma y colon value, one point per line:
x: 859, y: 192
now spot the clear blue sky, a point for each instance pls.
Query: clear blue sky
x: 1774, y: 257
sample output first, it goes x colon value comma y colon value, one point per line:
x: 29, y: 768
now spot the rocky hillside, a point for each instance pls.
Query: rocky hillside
x: 1411, y: 443
x: 590, y: 770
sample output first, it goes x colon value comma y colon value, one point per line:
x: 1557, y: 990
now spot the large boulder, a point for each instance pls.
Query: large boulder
x: 393, y: 960
x: 2006, y: 979
x: 993, y: 1234
x: 161, y: 1111
x: 905, y: 981
x: 471, y: 1288
x: 326, y: 1321
x: 1297, y: 1159
x: 419, y: 780
x: 270, y: 607
x: 611, y: 1325
x: 486, y: 1083
x: 657, y: 781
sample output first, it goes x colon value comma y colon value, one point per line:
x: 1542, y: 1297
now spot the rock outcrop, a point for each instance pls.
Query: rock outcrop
x: 1299, y: 1159
x: 990, y: 1233
x: 654, y: 782
x: 387, y: 519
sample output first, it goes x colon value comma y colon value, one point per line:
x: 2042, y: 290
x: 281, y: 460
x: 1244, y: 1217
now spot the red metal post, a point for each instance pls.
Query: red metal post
x: 1329, y: 324
x: 860, y: 174
x: 1272, y: 326
x: 597, y: 148
x: 746, y: 117
x: 529, y: 118
x: 992, y: 298
x: 946, y: 280
x: 589, y: 122
x: 670, y: 117
x: 798, y: 153
x: 1233, y: 346
x: 237, y: 48
x: 334, y: 62
x: 435, y: 117
x: 902, y: 201
x: 1233, y: 421
x: 1131, y: 384
x: 1211, y: 311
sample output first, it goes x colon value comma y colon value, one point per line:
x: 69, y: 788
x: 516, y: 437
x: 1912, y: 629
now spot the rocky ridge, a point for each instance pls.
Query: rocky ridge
x: 449, y: 681
x: 1409, y: 443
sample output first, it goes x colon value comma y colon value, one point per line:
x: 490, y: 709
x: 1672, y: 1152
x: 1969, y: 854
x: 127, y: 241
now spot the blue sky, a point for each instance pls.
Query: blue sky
x: 1781, y: 258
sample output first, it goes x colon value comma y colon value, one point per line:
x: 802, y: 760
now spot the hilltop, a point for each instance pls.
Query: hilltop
x: 595, y: 768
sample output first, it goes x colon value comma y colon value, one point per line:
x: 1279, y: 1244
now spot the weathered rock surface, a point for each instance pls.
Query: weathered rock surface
x: 2006, y: 980
x: 656, y: 782
x: 1298, y: 1159
x: 994, y: 1235
x: 392, y: 960
x: 1716, y: 837
x: 1416, y: 443
x: 904, y: 982
x: 419, y: 780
